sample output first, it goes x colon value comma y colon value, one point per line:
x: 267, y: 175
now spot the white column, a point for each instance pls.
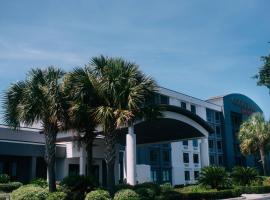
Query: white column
x: 204, y: 152
x: 33, y: 167
x: 82, y: 160
x: 131, y: 156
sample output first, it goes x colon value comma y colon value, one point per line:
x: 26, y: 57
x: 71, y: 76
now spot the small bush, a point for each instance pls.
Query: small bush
x: 123, y: 186
x: 39, y: 182
x: 126, y: 194
x: 29, y: 192
x: 9, y: 187
x: 153, y: 186
x: 84, y: 183
x: 244, y: 176
x: 98, y: 195
x: 57, y: 196
x: 215, y: 177
x: 166, y: 187
x: 4, y: 178
x: 145, y: 193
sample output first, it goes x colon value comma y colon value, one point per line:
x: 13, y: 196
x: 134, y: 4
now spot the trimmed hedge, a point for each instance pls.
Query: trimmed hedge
x: 98, y: 195
x: 126, y: 194
x: 57, y: 196
x: 9, y: 187
x: 29, y: 192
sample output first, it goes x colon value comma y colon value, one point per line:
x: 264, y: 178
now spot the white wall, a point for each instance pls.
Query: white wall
x: 143, y: 173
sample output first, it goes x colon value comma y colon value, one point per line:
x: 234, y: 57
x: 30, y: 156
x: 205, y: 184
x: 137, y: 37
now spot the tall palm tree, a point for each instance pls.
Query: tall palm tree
x: 38, y: 99
x: 82, y: 100
x: 124, y: 91
x: 254, y: 136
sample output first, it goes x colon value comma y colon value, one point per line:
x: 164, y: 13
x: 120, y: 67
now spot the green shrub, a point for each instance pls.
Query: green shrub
x: 9, y: 187
x: 254, y: 189
x: 57, y: 196
x: 4, y: 178
x: 29, y: 192
x: 145, y: 193
x: 166, y: 187
x: 123, y: 186
x: 84, y: 183
x: 126, y: 194
x: 40, y: 182
x: 98, y: 195
x: 215, y: 177
x: 244, y: 176
x: 171, y: 195
x: 153, y: 186
x: 196, y: 188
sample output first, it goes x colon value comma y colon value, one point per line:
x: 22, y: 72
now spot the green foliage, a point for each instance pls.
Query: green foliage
x: 215, y: 177
x: 57, y: 196
x: 29, y: 192
x: 39, y: 182
x: 145, y: 193
x: 166, y: 187
x: 263, y: 76
x: 123, y: 186
x: 4, y: 178
x: 98, y: 195
x: 196, y: 188
x: 126, y: 194
x: 150, y: 185
x: 244, y: 176
x: 9, y: 187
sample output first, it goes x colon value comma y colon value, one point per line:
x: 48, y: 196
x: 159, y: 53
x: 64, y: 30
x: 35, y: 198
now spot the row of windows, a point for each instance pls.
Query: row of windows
x: 195, y: 158
x: 194, y: 143
x: 154, y: 155
x: 218, y: 144
x: 187, y: 175
x: 216, y: 160
x: 213, y: 116
x: 165, y: 175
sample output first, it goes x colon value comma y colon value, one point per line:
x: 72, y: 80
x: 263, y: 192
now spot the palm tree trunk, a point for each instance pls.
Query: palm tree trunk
x: 110, y: 155
x: 50, y: 149
x: 263, y: 158
x: 89, y: 161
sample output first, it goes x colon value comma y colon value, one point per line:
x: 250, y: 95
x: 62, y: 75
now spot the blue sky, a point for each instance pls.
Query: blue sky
x: 201, y: 48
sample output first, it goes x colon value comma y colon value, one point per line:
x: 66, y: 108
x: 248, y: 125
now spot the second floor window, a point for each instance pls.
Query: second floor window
x: 195, y: 143
x: 183, y: 105
x: 193, y: 109
x: 211, y: 144
x: 185, y: 142
x: 195, y: 158
x: 186, y: 157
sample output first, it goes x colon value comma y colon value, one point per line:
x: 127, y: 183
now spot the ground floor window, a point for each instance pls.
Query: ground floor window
x: 165, y: 175
x: 196, y: 175
x: 154, y: 175
x: 187, y: 175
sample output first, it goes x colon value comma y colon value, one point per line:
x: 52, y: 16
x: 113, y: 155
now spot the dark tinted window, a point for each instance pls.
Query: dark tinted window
x: 211, y: 144
x: 196, y: 175
x: 187, y: 175
x: 195, y: 158
x: 193, y: 109
x: 166, y: 156
x: 195, y: 143
x: 219, y: 145
x: 164, y: 99
x: 153, y: 155
x: 185, y: 157
x: 183, y: 105
x: 185, y: 142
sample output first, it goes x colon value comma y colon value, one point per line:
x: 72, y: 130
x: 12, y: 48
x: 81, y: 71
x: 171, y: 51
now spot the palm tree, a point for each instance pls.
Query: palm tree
x: 82, y: 99
x: 38, y: 99
x: 124, y: 91
x: 254, y: 136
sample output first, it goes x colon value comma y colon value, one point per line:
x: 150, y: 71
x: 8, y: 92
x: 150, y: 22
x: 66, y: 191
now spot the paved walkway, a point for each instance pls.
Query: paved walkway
x: 252, y: 197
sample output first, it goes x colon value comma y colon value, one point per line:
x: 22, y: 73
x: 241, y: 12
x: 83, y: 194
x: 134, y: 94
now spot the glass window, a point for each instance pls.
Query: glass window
x: 166, y: 156
x: 212, y: 159
x: 186, y: 157
x: 196, y: 158
x: 195, y: 143
x: 183, y: 105
x: 217, y: 116
x: 165, y: 175
x: 153, y: 155
x: 218, y: 131
x: 209, y: 115
x: 193, y: 109
x: 185, y: 142
x: 196, y: 175
x: 164, y: 99
x: 219, y: 145
x: 211, y: 144
x: 154, y: 175
x: 220, y: 160
x: 187, y: 175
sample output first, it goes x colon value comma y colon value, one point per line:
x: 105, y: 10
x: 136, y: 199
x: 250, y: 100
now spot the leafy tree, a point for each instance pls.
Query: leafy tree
x: 214, y: 176
x: 244, y: 175
x: 263, y: 76
x: 254, y: 136
x: 124, y: 92
x: 38, y: 99
x: 82, y: 101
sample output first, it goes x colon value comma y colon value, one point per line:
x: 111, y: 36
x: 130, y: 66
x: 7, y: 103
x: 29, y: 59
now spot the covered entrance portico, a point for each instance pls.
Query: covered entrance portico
x: 176, y: 124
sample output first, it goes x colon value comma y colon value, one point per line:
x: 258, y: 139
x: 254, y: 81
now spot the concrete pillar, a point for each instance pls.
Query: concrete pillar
x: 33, y: 167
x: 204, y: 150
x: 131, y: 155
x: 82, y: 161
